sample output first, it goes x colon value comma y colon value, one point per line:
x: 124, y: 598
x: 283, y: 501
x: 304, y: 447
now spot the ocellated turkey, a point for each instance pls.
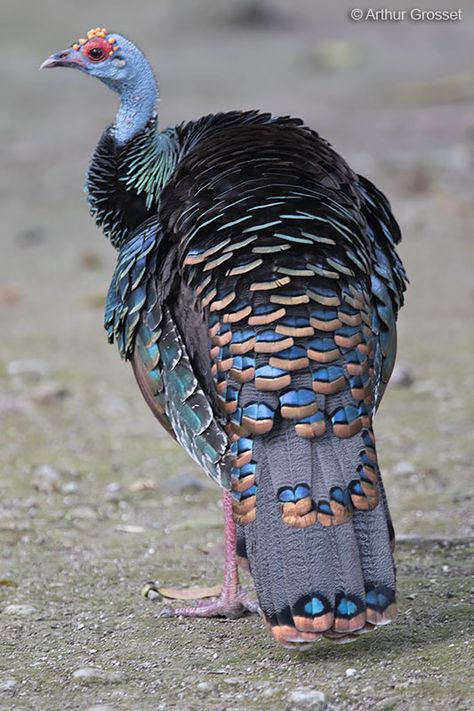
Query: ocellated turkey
x: 255, y: 295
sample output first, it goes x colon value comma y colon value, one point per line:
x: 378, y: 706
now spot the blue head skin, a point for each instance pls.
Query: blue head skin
x: 120, y: 65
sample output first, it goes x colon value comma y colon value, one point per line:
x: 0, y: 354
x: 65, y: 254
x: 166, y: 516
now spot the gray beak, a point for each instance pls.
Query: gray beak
x: 66, y: 58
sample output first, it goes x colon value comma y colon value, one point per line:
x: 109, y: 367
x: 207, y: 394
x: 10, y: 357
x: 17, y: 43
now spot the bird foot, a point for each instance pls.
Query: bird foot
x: 230, y: 604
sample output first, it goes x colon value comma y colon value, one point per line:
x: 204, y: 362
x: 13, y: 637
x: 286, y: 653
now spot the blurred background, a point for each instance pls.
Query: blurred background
x: 85, y: 471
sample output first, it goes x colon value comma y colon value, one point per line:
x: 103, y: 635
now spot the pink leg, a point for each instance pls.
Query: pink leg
x: 233, y: 601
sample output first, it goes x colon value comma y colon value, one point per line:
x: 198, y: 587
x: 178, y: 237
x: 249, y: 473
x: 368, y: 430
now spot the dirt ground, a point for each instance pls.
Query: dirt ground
x: 95, y: 499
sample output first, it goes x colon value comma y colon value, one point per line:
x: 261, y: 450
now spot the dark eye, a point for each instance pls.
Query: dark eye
x: 96, y: 53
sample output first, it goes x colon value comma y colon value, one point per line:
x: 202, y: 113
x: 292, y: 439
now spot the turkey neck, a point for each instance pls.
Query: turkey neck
x: 148, y: 156
x: 138, y: 99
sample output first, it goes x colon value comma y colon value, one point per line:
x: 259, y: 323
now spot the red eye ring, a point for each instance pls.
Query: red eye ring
x: 97, y: 50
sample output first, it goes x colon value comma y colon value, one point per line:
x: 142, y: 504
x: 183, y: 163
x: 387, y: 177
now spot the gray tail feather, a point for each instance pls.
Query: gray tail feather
x: 335, y: 580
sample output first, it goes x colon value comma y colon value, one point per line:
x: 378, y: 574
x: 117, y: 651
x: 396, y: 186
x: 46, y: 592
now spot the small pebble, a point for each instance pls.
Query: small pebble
x: 125, y: 528
x: 20, y: 610
x: 113, y: 492
x: 71, y: 487
x: 91, y: 675
x: 205, y: 686
x: 351, y: 672
x: 113, y: 488
x: 7, y: 684
x: 87, y: 673
x: 305, y: 698
x: 46, y: 479
x: 150, y: 591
